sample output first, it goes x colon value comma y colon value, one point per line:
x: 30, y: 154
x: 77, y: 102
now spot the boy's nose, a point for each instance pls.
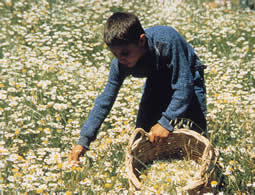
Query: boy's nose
x: 122, y: 60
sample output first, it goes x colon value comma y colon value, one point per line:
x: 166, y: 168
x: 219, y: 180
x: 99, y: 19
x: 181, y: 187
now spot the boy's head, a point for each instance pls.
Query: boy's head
x: 125, y: 37
x: 122, y: 28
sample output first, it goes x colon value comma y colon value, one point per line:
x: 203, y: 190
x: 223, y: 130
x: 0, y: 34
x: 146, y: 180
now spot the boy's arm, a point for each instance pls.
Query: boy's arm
x: 182, y: 57
x: 102, y: 106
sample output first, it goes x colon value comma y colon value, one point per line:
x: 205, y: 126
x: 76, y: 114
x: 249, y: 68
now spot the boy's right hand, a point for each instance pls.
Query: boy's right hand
x: 76, y: 153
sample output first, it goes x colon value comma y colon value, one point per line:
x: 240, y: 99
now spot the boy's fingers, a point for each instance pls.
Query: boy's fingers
x: 74, y: 159
x: 156, y: 139
x: 70, y: 156
x: 151, y: 137
x: 162, y: 140
x: 76, y: 152
x: 73, y: 156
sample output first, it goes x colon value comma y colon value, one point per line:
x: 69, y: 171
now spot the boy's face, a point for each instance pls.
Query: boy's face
x: 128, y: 55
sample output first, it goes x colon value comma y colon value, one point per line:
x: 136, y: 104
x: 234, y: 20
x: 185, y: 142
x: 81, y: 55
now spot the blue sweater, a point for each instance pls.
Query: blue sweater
x: 169, y: 52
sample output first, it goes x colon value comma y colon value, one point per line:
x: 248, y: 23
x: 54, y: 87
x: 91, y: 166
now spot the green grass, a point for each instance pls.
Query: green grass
x: 53, y: 64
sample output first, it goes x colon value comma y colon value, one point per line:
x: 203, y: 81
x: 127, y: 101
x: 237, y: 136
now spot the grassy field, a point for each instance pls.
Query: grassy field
x: 53, y: 64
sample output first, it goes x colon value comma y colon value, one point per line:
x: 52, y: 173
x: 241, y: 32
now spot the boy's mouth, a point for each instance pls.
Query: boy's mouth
x: 129, y: 65
x: 125, y: 63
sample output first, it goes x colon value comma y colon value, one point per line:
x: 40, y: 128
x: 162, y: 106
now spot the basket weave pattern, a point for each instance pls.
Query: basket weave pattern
x: 182, y: 143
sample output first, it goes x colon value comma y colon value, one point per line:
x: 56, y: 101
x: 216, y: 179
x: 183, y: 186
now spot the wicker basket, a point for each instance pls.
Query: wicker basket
x: 182, y: 143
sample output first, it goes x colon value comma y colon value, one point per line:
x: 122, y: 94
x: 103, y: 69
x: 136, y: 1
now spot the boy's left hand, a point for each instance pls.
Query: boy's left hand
x: 158, y: 134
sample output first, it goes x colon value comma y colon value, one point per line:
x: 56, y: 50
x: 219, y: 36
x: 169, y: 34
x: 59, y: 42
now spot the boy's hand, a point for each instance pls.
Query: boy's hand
x: 158, y: 134
x: 76, y: 153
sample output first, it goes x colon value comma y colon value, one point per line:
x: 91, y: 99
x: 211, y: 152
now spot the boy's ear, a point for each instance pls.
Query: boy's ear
x: 142, y: 40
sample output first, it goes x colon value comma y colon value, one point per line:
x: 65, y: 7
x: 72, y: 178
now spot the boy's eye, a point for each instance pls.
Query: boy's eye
x: 124, y: 53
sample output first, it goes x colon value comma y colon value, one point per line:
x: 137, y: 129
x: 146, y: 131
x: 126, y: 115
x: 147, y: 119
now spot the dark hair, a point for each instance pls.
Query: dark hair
x: 122, y: 28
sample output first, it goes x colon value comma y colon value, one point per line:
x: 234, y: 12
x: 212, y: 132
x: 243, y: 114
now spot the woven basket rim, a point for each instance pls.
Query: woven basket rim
x: 209, y: 157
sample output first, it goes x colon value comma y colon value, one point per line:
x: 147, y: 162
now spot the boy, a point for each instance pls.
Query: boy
x: 174, y: 88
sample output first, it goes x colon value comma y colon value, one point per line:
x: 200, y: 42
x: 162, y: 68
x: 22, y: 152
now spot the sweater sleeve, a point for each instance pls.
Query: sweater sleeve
x: 181, y: 82
x: 102, y: 106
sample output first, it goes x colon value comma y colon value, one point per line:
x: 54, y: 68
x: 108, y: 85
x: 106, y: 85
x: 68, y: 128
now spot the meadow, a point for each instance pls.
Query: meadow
x: 53, y: 64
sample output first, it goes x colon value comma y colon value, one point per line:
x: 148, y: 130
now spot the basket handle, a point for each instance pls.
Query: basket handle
x: 134, y: 134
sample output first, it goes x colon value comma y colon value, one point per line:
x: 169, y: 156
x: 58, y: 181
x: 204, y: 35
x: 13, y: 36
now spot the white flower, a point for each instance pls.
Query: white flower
x: 242, y: 150
x: 11, y: 89
x: 61, y: 98
x: 41, y: 107
x: 44, y: 84
x: 63, y: 76
x: 13, y: 157
x: 11, y: 179
x: 58, y: 106
x: 3, y: 96
x: 13, y: 103
x: 45, y: 67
